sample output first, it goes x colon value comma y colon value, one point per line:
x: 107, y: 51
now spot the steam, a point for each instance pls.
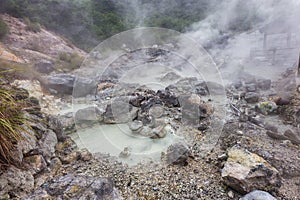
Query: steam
x: 232, y: 30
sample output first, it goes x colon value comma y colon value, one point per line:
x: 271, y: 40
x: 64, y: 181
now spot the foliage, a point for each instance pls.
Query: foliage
x: 11, y: 125
x: 32, y: 26
x: 73, y: 60
x: 3, y: 29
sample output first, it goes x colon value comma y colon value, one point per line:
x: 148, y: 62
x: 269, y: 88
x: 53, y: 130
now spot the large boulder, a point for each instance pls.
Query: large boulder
x: 245, y: 171
x: 177, y: 154
x: 85, y: 187
x: 88, y: 116
x: 61, y: 84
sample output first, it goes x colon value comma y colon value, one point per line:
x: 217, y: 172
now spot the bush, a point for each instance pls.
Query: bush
x: 73, y: 60
x: 11, y: 125
x: 3, y: 29
x: 32, y: 26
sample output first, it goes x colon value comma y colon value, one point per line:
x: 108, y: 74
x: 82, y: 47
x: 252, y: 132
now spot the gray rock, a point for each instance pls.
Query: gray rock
x: 263, y: 84
x: 88, y: 116
x: 36, y: 163
x: 47, y: 144
x: 177, y: 154
x: 245, y: 171
x: 258, y: 195
x: 44, y: 67
x: 61, y: 84
x: 56, y: 125
x: 120, y: 111
x: 136, y: 126
x: 251, y: 97
x: 16, y: 182
x: 84, y: 87
x: 85, y: 187
x: 68, y: 122
x: 292, y: 137
x: 250, y: 88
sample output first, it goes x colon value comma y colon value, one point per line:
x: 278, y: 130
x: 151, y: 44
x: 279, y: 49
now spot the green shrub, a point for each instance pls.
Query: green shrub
x: 32, y: 26
x: 3, y: 29
x: 72, y: 60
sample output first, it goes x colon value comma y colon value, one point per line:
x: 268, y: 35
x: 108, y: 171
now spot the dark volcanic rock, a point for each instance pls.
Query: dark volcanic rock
x: 59, y: 84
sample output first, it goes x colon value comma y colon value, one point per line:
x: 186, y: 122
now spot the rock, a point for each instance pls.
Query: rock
x: 29, y: 143
x: 168, y: 98
x: 85, y: 155
x: 17, y: 182
x: 250, y: 87
x: 251, y: 97
x: 36, y: 162
x: 212, y: 88
x: 266, y: 107
x: 59, y: 84
x: 87, y: 187
x: 47, y: 144
x: 56, y: 125
x: 84, y: 87
x: 177, y: 154
x: 276, y: 136
x: 281, y: 101
x: 263, y: 84
x: 136, y: 126
x: 292, y: 137
x: 87, y: 117
x: 70, y: 158
x: 194, y: 109
x: 120, y: 111
x: 55, y: 165
x: 258, y: 195
x: 125, y: 153
x: 245, y: 171
x: 68, y: 122
x: 44, y: 67
x: 271, y: 127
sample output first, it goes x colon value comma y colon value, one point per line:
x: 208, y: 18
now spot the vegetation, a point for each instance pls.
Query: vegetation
x: 71, y: 61
x: 3, y: 29
x: 87, y: 22
x: 12, y: 124
x: 32, y: 26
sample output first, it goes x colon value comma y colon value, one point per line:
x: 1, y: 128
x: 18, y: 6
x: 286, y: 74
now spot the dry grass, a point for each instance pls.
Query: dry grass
x: 11, y: 125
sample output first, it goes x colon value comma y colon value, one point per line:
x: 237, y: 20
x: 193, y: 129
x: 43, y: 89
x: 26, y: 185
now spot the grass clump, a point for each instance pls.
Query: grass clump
x: 3, y: 29
x: 71, y: 61
x: 12, y: 124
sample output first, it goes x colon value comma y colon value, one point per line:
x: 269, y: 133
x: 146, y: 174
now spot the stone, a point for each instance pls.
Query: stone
x: 59, y: 84
x: 55, y: 165
x: 44, y: 67
x: 170, y: 76
x: 56, y: 125
x: 245, y: 171
x: 68, y: 123
x: 275, y: 135
x: 47, y: 144
x: 177, y: 154
x: 84, y: 87
x: 209, y: 87
x: 292, y: 137
x: 88, y: 116
x: 17, y: 182
x: 36, y: 162
x: 250, y: 87
x: 263, y: 84
x: 251, y: 97
x: 136, y: 126
x: 85, y: 155
x: 258, y: 195
x: 120, y: 111
x: 168, y: 98
x: 72, y: 186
